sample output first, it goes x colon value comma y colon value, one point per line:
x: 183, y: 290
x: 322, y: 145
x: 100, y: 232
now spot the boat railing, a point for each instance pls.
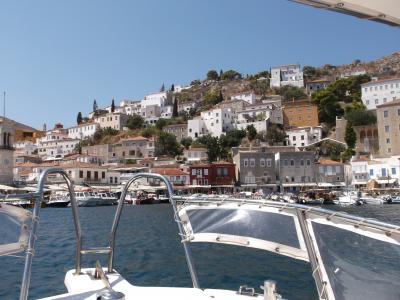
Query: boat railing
x: 109, y: 250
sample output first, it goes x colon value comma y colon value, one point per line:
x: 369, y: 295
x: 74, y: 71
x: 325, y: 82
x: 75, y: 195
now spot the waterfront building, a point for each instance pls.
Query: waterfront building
x: 296, y: 169
x: 6, y: 151
x: 214, y: 121
x: 379, y: 92
x: 384, y: 171
x: 287, y: 75
x: 300, y: 113
x: 248, y: 97
x: 195, y: 154
x: 303, y: 136
x: 176, y: 176
x: 114, y: 120
x: 359, y: 171
x: 256, y: 170
x: 388, y: 121
x: 330, y: 173
x: 178, y: 130
x: 217, y: 174
x: 83, y: 131
x: 317, y: 85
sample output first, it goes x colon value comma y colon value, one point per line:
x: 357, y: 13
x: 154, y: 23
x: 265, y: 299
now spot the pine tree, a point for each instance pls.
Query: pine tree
x: 220, y: 97
x: 350, y: 136
x: 112, y: 106
x: 220, y: 74
x: 79, y: 118
x: 162, y: 89
x: 95, y: 107
x: 175, y: 108
x: 172, y: 88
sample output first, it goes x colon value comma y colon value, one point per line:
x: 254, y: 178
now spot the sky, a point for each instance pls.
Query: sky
x: 56, y: 57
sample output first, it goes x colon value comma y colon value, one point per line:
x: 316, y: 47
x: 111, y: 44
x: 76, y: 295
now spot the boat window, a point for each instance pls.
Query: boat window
x: 358, y: 266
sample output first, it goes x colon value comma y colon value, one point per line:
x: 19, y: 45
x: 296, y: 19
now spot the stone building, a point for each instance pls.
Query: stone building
x: 300, y: 113
x: 388, y: 119
x: 6, y: 151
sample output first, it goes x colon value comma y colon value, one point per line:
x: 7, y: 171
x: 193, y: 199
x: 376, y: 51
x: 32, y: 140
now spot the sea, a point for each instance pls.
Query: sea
x: 149, y: 253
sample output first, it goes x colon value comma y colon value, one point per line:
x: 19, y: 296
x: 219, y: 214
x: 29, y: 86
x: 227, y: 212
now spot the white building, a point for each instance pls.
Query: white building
x: 131, y: 107
x: 378, y: 92
x: 24, y: 148
x: 303, y: 136
x: 214, y: 121
x: 249, y: 97
x: 112, y: 120
x: 384, y: 170
x: 187, y: 106
x: 155, y: 99
x: 82, y: 131
x: 359, y: 171
x: 195, y: 154
x: 287, y: 75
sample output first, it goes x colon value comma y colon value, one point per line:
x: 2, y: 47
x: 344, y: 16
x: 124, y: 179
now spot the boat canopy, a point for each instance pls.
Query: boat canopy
x: 383, y: 11
x: 351, y: 257
x: 14, y: 229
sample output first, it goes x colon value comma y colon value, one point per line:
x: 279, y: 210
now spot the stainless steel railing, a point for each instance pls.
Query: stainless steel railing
x: 98, y: 250
x: 30, y: 252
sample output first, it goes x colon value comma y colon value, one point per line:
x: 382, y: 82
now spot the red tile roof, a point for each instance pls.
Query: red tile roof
x: 169, y: 171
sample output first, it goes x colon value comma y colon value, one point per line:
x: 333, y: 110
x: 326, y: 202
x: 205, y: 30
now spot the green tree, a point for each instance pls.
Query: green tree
x: 275, y: 134
x: 149, y: 131
x: 292, y: 92
x: 213, y: 146
x: 172, y: 89
x: 251, y: 132
x: 212, y: 75
x: 112, y: 106
x: 79, y: 118
x: 211, y: 98
x: 231, y: 75
x: 161, y: 123
x: 350, y: 136
x: 166, y: 144
x: 175, y: 108
x: 359, y: 117
x: 95, y: 106
x: 328, y: 106
x: 186, y: 142
x: 135, y: 122
x: 195, y: 82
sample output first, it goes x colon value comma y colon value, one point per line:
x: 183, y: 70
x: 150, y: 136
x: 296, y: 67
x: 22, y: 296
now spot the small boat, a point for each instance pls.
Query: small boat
x: 394, y: 200
x: 58, y: 201
x: 372, y: 200
x: 87, y: 199
x: 107, y: 199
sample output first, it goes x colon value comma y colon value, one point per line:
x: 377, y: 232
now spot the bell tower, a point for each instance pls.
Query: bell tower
x: 6, y: 151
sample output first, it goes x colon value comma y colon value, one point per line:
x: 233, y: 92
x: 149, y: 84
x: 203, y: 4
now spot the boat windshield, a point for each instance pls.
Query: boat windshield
x: 14, y: 227
x: 355, y: 258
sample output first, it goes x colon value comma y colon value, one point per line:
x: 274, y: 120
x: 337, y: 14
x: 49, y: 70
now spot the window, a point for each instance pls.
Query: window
x: 225, y: 171
x: 246, y: 162
x: 367, y: 102
x: 388, y: 141
x: 205, y: 172
x: 252, y: 162
x: 269, y: 163
x: 103, y: 175
x: 193, y: 172
x: 302, y: 137
x: 80, y: 174
x: 88, y: 174
x: 301, y: 162
x: 308, y: 162
x: 385, y: 114
x: 387, y: 128
x: 285, y: 163
x: 294, y: 138
x: 371, y: 172
x: 111, y: 180
x: 292, y: 162
x: 398, y: 112
x: 376, y: 101
x: 262, y: 162
x: 219, y: 171
x: 393, y: 171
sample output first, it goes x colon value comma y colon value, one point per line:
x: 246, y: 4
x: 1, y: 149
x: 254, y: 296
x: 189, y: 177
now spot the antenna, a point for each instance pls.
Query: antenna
x: 4, y: 105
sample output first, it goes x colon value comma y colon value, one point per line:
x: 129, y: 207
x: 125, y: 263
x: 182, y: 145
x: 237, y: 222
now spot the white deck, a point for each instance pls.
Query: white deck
x: 84, y: 286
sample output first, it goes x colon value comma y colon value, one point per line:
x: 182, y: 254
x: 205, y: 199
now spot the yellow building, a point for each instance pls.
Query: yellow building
x: 300, y: 113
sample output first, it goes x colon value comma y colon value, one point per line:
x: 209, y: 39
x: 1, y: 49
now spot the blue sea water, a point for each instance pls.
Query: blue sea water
x: 149, y: 253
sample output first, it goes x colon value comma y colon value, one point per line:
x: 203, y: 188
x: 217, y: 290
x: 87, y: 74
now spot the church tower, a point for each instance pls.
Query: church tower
x: 6, y: 151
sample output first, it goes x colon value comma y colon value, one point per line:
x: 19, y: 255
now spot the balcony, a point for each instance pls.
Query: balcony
x: 2, y: 147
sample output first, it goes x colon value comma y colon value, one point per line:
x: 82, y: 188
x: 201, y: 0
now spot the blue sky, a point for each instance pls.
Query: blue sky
x: 57, y: 56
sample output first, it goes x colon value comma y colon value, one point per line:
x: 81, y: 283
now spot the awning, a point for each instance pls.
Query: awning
x: 295, y: 184
x: 386, y: 181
